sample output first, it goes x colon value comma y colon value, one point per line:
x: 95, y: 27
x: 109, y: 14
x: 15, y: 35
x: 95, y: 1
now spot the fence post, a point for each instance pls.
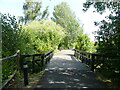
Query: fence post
x: 25, y: 70
x: 82, y: 57
x: 89, y: 59
x: 74, y: 52
x: 21, y: 64
x: 85, y: 58
x: 33, y: 64
x: 92, y: 62
x: 51, y: 55
x: 43, y: 56
x: 18, y: 60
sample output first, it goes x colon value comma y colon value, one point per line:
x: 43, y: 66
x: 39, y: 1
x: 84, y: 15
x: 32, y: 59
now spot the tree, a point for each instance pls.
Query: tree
x: 42, y: 36
x: 108, y: 36
x: 83, y: 43
x: 32, y: 11
x: 10, y: 34
x: 64, y: 16
x: 11, y: 42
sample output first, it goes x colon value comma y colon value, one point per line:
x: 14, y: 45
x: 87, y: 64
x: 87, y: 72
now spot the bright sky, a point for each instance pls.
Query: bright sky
x: 14, y: 7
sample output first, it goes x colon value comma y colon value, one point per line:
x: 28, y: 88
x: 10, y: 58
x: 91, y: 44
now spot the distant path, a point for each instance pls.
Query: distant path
x: 64, y: 71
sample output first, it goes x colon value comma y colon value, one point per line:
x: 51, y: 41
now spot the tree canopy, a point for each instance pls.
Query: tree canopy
x: 64, y: 16
x: 32, y: 11
x: 35, y: 33
x: 10, y: 34
x: 108, y: 36
x: 42, y: 35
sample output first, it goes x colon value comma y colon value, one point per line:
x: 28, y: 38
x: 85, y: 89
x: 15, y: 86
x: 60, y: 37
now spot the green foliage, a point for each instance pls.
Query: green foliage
x: 32, y: 11
x: 10, y: 43
x: 64, y: 16
x: 10, y: 34
x: 108, y: 35
x: 41, y: 36
x: 36, y: 37
x: 8, y: 67
x: 83, y: 43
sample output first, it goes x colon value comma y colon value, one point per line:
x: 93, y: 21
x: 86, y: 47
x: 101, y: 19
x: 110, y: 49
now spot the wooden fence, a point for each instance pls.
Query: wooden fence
x: 24, y: 64
x: 93, y: 60
x: 108, y: 66
x: 10, y: 58
x: 35, y: 63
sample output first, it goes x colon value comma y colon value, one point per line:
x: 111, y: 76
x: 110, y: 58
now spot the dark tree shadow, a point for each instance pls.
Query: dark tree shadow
x: 68, y: 74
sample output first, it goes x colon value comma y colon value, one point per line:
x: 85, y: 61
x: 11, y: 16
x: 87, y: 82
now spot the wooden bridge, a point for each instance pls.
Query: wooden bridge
x: 66, y: 69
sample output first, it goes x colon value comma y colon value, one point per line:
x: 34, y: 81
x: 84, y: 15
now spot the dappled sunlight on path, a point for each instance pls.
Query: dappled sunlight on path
x: 65, y: 71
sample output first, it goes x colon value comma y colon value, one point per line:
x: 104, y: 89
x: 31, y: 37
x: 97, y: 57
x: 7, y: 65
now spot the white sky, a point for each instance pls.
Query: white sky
x: 14, y: 7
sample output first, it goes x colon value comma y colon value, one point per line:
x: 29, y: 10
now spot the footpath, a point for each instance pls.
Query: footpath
x: 65, y: 71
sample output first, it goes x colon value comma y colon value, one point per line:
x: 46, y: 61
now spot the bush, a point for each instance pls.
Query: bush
x: 41, y: 36
x: 10, y: 43
x: 83, y: 43
x: 10, y: 34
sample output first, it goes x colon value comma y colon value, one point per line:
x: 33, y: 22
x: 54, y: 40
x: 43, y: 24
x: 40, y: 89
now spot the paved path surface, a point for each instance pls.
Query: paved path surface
x: 64, y: 71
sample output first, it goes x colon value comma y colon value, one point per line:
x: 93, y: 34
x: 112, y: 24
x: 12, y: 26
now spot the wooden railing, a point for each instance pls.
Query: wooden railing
x: 34, y: 64
x: 107, y: 66
x: 93, y: 60
x: 16, y: 60
x: 25, y: 65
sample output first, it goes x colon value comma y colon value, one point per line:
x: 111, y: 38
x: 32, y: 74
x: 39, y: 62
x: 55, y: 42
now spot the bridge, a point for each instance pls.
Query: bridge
x: 65, y: 69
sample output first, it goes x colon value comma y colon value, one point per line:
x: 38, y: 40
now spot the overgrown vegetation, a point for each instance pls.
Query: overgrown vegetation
x: 10, y: 35
x: 41, y: 36
x: 83, y: 43
x: 64, y: 16
x: 38, y: 35
x: 108, y: 37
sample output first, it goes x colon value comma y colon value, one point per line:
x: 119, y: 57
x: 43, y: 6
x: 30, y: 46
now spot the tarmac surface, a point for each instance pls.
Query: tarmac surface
x: 65, y: 71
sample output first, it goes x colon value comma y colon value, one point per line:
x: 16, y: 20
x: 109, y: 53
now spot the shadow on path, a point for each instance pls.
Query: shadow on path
x: 64, y: 71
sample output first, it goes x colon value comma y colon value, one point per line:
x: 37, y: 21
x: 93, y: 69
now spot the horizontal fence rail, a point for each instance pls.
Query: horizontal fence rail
x: 93, y: 60
x: 16, y: 56
x: 27, y: 64
x: 33, y: 63
x: 107, y: 66
x: 7, y: 58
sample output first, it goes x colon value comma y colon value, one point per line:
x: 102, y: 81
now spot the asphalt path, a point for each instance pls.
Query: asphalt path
x: 65, y: 71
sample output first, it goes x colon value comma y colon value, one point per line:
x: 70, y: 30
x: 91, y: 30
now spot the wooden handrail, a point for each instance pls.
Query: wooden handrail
x: 95, y: 54
x: 88, y: 58
x: 6, y: 81
x: 89, y: 53
x: 48, y: 52
x: 29, y: 55
x: 7, y: 58
x: 44, y: 58
x: 92, y: 59
x: 13, y: 74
